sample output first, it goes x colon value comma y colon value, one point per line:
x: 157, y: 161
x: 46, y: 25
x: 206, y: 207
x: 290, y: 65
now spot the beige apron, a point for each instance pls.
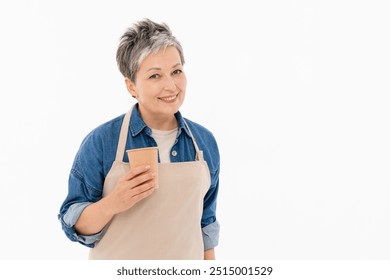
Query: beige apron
x: 165, y: 225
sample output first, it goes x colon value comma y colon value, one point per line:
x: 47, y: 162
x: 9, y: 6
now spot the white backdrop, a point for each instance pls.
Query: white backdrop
x: 296, y: 93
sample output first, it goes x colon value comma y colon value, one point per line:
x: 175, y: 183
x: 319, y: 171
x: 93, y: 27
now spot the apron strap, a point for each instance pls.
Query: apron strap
x: 199, y: 153
x: 120, y: 151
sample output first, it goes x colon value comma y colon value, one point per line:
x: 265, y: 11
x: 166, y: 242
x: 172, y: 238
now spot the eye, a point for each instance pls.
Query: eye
x: 154, y: 76
x: 177, y: 71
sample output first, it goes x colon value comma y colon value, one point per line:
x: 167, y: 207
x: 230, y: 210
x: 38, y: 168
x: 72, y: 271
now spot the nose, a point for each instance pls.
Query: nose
x: 170, y: 84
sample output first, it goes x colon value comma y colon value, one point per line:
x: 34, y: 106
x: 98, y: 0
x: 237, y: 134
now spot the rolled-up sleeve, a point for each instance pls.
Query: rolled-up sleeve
x: 211, y: 235
x: 69, y: 220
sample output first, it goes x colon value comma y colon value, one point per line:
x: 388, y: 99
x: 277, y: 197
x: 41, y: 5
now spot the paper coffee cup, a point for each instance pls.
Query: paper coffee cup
x: 144, y: 156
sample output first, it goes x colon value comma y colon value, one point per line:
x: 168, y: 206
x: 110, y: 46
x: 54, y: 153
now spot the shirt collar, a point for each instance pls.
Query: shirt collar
x: 137, y: 124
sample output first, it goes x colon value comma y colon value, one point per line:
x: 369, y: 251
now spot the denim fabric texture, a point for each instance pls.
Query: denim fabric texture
x: 97, y: 154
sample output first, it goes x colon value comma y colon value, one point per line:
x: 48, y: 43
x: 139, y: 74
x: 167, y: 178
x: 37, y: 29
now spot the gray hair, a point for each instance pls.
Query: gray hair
x: 140, y: 40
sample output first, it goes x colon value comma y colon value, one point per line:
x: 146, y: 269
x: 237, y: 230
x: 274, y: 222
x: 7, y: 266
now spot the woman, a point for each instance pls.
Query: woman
x: 127, y: 214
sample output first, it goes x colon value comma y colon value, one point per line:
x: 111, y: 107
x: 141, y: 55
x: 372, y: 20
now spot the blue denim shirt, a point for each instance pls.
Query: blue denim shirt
x: 97, y: 153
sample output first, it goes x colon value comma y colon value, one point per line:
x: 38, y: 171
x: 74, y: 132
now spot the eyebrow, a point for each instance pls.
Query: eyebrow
x: 157, y: 68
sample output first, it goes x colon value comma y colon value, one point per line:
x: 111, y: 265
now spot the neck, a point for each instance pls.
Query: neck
x: 159, y: 122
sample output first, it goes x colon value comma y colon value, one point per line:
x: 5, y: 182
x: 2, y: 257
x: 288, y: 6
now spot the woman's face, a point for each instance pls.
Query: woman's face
x: 160, y: 84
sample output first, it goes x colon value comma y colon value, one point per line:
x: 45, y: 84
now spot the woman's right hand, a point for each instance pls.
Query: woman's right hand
x: 131, y: 188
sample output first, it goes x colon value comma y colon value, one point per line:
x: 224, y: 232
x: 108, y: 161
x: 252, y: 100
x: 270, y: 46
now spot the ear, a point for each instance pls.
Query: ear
x: 131, y: 87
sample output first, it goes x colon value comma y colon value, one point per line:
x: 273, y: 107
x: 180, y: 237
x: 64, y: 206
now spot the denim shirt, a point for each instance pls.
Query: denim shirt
x: 97, y: 152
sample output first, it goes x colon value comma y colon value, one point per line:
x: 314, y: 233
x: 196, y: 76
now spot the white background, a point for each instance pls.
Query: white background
x: 296, y: 94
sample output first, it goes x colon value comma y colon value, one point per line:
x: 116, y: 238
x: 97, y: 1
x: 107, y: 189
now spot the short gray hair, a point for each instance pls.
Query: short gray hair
x: 140, y: 40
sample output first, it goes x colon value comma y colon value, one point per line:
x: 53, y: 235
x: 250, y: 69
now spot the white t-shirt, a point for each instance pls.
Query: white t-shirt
x: 165, y: 139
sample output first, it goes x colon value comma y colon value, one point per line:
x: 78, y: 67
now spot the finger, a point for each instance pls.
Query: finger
x: 134, y: 172
x: 138, y: 197
x: 141, y: 179
x: 143, y: 187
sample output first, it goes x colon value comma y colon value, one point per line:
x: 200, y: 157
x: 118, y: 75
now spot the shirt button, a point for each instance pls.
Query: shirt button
x: 174, y: 153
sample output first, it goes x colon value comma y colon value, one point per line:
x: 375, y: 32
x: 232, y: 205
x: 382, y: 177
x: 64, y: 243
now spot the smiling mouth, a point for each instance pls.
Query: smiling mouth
x: 170, y: 98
